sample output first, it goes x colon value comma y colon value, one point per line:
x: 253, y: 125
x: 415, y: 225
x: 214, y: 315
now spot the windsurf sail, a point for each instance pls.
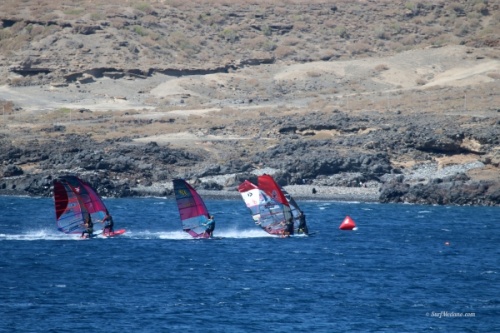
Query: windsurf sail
x: 267, y: 213
x: 252, y: 197
x: 70, y: 210
x: 269, y: 185
x: 193, y: 211
x: 92, y: 201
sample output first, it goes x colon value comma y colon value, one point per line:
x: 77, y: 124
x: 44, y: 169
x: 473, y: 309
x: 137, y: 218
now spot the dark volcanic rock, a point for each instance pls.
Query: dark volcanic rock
x: 456, y: 190
x: 88, y: 159
x: 12, y: 170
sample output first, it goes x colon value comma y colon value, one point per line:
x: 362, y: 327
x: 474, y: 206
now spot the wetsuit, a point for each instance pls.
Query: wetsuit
x: 89, y: 228
x: 210, y: 227
x: 108, y: 225
x: 302, y: 224
x: 288, y: 230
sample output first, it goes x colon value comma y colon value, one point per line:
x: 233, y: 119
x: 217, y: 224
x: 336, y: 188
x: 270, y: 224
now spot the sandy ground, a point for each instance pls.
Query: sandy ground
x: 447, y: 66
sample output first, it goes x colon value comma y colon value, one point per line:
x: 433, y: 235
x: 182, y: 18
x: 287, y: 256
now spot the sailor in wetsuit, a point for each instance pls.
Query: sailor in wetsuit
x: 302, y: 229
x: 108, y: 225
x: 288, y: 231
x: 89, y: 227
x: 210, y: 225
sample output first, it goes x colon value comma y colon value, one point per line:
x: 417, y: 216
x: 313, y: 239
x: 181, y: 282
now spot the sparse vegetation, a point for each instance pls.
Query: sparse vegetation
x: 144, y: 7
x: 229, y: 35
x: 421, y: 81
x: 139, y: 30
x: 74, y: 12
x: 381, y: 67
x: 407, y: 24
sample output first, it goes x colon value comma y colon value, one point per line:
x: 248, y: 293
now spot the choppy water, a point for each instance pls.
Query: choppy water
x: 407, y: 268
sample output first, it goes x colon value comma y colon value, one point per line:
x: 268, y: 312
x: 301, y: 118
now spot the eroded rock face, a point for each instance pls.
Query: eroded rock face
x: 12, y: 170
x: 453, y: 190
x: 352, y: 157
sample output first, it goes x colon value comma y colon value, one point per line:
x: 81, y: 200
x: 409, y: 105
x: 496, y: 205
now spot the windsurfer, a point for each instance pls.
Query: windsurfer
x: 302, y: 224
x: 89, y: 227
x: 210, y: 225
x: 108, y: 224
x: 288, y: 231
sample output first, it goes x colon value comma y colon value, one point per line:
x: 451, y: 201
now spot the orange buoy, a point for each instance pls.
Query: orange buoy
x: 347, y: 224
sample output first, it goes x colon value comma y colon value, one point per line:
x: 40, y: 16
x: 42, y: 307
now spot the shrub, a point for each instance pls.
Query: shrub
x: 96, y: 16
x: 64, y: 110
x: 269, y: 46
x: 144, y: 7
x: 5, y: 34
x: 396, y: 28
x: 253, y: 43
x: 74, y: 12
x: 118, y: 22
x: 283, y: 51
x: 381, y: 67
x: 229, y: 35
x: 313, y: 73
x: 37, y: 30
x: 341, y: 32
x: 291, y: 41
x: 184, y: 43
x: 420, y: 81
x: 266, y: 30
x: 359, y: 48
x: 431, y: 31
x: 139, y: 30
x: 408, y: 40
x: 330, y: 23
x: 461, y: 29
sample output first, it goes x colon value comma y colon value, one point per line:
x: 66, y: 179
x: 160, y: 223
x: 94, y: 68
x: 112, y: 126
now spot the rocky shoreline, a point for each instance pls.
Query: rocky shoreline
x: 425, y: 184
x: 299, y: 192
x: 306, y: 193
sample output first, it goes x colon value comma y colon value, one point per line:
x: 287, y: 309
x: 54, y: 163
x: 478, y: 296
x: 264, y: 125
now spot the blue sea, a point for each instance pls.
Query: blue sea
x: 407, y: 268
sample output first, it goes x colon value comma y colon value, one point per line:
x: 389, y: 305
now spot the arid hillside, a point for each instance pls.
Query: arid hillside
x: 399, y: 98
